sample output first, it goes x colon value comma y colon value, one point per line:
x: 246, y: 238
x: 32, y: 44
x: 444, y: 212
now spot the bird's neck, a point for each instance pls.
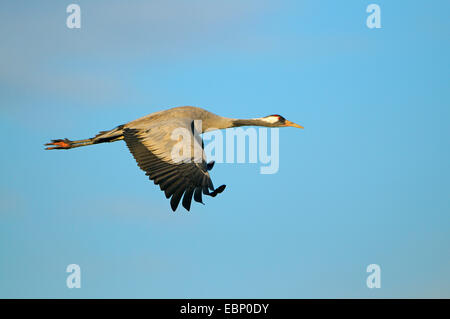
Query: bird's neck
x: 212, y: 122
x: 248, y: 122
x: 224, y: 123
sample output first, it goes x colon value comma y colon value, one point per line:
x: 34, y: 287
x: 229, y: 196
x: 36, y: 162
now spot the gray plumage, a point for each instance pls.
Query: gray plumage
x: 151, y: 143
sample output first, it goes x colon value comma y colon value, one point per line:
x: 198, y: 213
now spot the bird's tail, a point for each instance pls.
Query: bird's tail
x: 113, y: 135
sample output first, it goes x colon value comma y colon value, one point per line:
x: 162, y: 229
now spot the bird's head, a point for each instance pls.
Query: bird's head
x: 276, y: 120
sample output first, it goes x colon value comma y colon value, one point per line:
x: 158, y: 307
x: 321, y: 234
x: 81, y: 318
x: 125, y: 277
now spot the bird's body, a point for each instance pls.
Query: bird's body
x: 150, y: 140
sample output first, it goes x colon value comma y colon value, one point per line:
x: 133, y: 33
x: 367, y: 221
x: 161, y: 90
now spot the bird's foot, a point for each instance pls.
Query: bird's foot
x: 59, y: 144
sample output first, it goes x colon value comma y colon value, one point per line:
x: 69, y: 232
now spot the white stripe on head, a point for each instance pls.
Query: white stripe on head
x: 270, y: 119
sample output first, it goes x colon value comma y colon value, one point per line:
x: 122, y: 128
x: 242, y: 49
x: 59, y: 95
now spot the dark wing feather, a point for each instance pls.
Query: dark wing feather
x: 187, y: 198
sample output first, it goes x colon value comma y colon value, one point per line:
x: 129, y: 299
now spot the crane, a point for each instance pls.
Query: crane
x: 150, y: 141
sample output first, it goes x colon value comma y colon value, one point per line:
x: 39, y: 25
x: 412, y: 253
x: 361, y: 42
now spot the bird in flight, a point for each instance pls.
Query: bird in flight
x: 151, y: 142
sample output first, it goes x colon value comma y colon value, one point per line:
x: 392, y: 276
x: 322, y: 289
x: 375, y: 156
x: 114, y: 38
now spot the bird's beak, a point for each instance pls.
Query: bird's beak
x: 289, y: 123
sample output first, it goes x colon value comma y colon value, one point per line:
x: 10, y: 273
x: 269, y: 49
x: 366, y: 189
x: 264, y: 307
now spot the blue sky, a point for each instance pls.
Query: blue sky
x: 366, y: 182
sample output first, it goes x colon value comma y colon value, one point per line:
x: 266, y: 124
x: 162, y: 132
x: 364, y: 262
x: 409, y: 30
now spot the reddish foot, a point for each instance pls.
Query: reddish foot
x: 59, y: 144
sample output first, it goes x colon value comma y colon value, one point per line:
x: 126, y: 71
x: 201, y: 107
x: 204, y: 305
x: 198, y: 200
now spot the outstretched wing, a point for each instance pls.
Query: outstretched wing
x: 153, y: 148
